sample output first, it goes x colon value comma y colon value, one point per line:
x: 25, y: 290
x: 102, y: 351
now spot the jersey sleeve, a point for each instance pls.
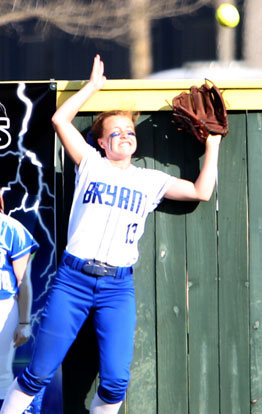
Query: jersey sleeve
x: 91, y: 156
x: 158, y: 182
x: 15, y: 242
x: 23, y: 242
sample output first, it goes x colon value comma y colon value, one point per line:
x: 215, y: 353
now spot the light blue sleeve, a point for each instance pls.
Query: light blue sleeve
x: 23, y: 242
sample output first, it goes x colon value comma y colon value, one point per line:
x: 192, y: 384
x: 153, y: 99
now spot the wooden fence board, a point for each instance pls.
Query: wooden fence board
x: 141, y: 395
x: 171, y: 278
x: 254, y: 135
x: 233, y: 271
x: 201, y: 264
x: 203, y: 310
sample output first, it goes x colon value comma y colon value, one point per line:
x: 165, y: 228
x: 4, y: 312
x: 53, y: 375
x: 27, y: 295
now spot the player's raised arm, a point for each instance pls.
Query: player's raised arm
x: 203, y: 188
x: 70, y: 137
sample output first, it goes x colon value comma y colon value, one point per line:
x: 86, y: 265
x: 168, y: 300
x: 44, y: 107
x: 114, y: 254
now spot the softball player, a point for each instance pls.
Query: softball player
x: 111, y: 201
x: 16, y: 246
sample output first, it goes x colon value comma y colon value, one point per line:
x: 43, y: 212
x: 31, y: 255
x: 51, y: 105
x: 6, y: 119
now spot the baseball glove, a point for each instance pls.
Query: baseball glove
x: 201, y: 112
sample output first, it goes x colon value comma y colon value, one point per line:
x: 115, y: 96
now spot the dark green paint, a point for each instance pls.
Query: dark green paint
x: 198, y: 346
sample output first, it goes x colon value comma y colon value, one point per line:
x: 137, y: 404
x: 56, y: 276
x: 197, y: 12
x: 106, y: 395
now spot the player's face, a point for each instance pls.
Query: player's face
x: 119, y: 138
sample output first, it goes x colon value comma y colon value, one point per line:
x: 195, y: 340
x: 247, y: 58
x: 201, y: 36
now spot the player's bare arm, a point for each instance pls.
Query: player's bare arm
x: 203, y: 188
x: 23, y: 329
x: 19, y: 267
x: 70, y: 137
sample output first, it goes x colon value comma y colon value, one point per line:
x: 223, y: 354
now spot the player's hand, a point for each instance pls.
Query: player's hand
x: 22, y: 334
x: 97, y: 77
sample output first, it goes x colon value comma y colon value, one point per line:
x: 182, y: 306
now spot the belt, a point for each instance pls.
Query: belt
x: 94, y: 267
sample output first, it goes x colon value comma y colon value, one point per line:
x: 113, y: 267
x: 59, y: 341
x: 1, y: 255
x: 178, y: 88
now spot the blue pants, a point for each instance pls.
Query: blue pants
x: 69, y: 302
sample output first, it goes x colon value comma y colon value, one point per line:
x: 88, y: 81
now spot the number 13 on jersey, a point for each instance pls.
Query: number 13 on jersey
x: 131, y: 231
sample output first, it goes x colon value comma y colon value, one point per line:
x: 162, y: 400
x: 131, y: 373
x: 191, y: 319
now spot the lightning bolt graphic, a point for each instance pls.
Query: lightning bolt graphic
x: 28, y: 205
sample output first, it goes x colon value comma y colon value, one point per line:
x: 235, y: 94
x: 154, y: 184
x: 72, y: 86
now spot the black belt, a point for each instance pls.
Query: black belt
x: 94, y: 267
x: 97, y: 268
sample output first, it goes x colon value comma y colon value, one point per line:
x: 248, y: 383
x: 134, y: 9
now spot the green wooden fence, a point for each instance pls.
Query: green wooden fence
x: 198, y: 345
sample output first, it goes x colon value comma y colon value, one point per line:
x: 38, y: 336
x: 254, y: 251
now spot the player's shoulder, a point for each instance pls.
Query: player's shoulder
x: 8, y: 219
x: 10, y: 222
x: 90, y: 158
x: 5, y: 220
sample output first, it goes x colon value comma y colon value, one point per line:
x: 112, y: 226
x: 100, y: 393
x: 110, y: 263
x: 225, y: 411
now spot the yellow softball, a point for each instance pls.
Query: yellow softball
x: 227, y: 15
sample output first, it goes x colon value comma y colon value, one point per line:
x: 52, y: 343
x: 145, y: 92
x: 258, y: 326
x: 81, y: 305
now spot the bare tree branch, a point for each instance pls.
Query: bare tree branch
x: 105, y: 19
x: 126, y: 21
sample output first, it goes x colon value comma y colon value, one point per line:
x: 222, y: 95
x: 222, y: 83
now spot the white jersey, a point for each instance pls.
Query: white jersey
x: 110, y: 207
x: 15, y: 242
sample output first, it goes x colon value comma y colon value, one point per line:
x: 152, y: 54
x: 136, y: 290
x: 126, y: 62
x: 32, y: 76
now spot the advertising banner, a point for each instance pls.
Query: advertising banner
x: 27, y: 179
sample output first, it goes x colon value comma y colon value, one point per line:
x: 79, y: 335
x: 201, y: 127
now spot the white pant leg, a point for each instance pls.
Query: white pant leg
x: 9, y: 318
x: 16, y: 400
x: 100, y: 407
